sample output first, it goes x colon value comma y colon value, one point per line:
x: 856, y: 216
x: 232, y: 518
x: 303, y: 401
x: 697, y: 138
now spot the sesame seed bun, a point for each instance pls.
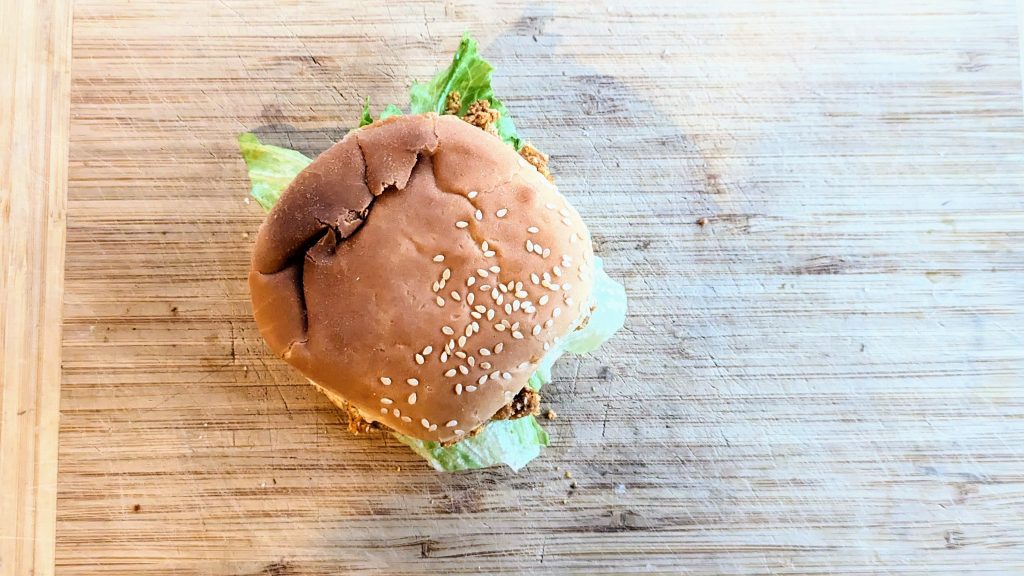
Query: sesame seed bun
x: 418, y: 270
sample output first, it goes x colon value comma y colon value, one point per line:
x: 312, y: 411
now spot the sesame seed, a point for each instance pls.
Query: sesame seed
x: 535, y: 278
x: 470, y: 388
x: 384, y: 411
x: 489, y: 254
x: 480, y: 308
x: 481, y: 272
x: 456, y: 297
x: 385, y: 380
x: 386, y: 401
x: 503, y: 288
x: 494, y: 294
x: 499, y: 299
x: 436, y: 286
x: 447, y: 330
x: 557, y: 271
x: 569, y: 300
x: 460, y: 432
x: 485, y: 365
x: 515, y: 305
x: 482, y: 380
x: 412, y: 398
x: 433, y: 427
x: 501, y: 213
x: 396, y: 412
x: 462, y: 341
x: 440, y: 301
x: 444, y: 356
x: 425, y: 422
x: 529, y: 245
x: 412, y: 382
x: 419, y: 358
x: 536, y: 330
x: 515, y: 326
x: 452, y: 424
x: 556, y: 312
x: 460, y: 354
x: 537, y: 249
x: 485, y: 352
x: 461, y: 224
x: 406, y: 419
x: 548, y: 323
x: 496, y: 374
x: 470, y: 298
x: 566, y: 258
x: 495, y: 269
x: 469, y: 330
x: 566, y: 222
x: 499, y: 327
x: 476, y: 327
x: 566, y: 286
x: 463, y: 369
x: 483, y: 246
x: 484, y: 287
x: 439, y: 258
x: 547, y: 277
x: 478, y: 215
x: 450, y: 373
x: 508, y: 308
x: 517, y: 335
x: 470, y: 281
x: 533, y: 229
x: 522, y: 294
x: 547, y: 346
x: 499, y: 347
x: 471, y: 361
x: 447, y: 274
x: 506, y: 376
x: 472, y: 194
x: 458, y: 389
x: 490, y: 313
x: 476, y: 315
x: 522, y: 365
x: 550, y: 206
x: 547, y: 252
x: 451, y: 344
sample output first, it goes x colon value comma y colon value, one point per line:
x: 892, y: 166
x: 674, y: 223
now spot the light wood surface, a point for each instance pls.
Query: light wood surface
x: 825, y: 377
x: 35, y: 58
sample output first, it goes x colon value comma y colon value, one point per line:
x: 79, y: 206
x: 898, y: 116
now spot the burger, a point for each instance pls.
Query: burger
x: 424, y: 272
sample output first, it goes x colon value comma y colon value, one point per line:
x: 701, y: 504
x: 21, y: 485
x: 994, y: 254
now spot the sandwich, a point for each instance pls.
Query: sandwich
x: 425, y: 272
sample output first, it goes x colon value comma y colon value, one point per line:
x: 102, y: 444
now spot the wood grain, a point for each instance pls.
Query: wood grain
x: 35, y: 58
x: 823, y: 378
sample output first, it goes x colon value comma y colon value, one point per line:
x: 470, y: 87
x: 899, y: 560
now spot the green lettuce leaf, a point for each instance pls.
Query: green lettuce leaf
x: 391, y: 110
x: 513, y: 443
x: 271, y: 168
x: 608, y: 298
x: 365, y: 117
x: 469, y: 75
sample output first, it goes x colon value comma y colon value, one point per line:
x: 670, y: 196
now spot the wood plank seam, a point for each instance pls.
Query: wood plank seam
x: 35, y: 98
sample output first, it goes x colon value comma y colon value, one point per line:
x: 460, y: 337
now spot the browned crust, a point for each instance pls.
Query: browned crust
x: 345, y: 286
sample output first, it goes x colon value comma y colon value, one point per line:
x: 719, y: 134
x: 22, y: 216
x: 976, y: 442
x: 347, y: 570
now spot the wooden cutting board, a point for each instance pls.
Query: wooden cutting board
x: 816, y: 208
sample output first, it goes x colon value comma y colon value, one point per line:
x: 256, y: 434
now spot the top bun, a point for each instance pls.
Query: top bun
x: 420, y: 269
